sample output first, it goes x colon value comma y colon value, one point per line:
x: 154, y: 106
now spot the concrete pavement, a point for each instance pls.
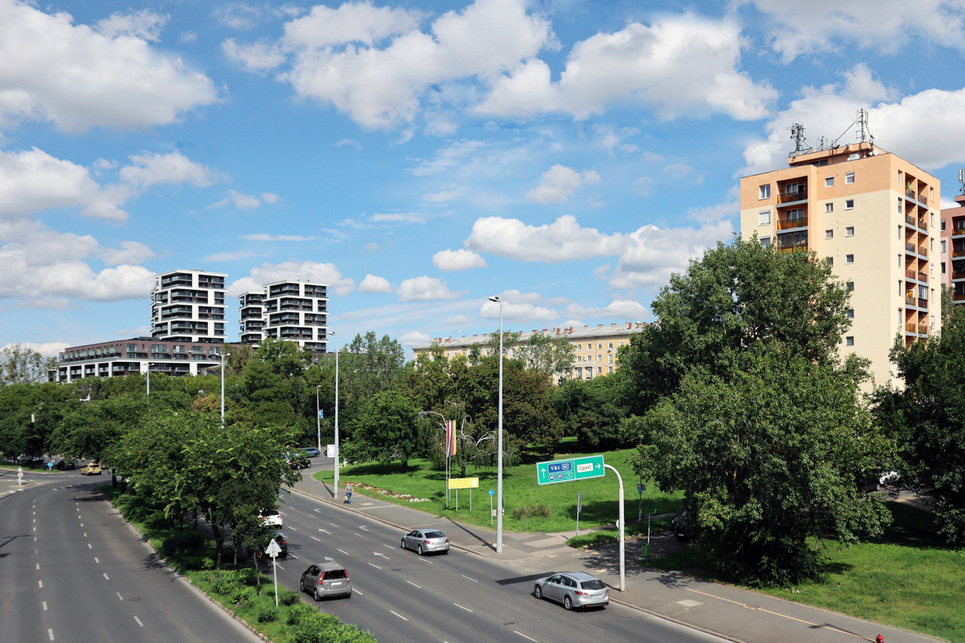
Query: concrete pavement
x: 732, y: 613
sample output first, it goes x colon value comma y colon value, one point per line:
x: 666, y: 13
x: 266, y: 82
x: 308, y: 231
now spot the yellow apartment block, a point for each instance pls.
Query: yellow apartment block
x: 875, y: 218
x: 594, y: 347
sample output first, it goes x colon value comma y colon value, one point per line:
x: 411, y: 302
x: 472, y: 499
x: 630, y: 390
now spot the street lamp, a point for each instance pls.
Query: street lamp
x: 336, y: 412
x: 318, y: 419
x: 499, y: 439
x: 223, y: 355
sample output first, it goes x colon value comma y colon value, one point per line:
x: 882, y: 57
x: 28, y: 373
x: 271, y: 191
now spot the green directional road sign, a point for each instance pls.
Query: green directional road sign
x: 570, y: 469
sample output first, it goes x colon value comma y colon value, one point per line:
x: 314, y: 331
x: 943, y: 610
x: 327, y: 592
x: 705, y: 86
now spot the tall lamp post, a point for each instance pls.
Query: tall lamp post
x: 499, y: 439
x: 223, y: 355
x: 336, y: 412
x: 318, y: 419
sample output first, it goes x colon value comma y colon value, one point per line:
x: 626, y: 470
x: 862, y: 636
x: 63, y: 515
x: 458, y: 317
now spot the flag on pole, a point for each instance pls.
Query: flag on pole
x: 450, y: 438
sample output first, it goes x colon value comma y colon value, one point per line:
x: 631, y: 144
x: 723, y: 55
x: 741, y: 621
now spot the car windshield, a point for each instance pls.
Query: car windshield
x: 435, y: 534
x: 593, y: 584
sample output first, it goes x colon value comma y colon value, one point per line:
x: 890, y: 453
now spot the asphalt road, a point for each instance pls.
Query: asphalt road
x: 400, y: 596
x: 72, y: 570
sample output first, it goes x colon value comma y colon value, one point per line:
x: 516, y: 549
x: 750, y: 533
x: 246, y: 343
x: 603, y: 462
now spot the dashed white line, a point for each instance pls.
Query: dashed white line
x: 50, y: 633
x: 399, y: 615
x: 139, y: 621
x: 413, y: 584
x: 97, y: 560
x: 388, y: 546
x: 316, y: 539
x: 374, y: 565
x: 119, y: 596
x: 89, y: 546
x: 325, y: 531
x: 523, y: 635
x: 38, y: 567
x: 344, y: 552
x: 106, y: 577
x: 44, y: 603
x: 463, y: 608
x: 333, y: 525
x: 40, y: 584
x: 467, y: 578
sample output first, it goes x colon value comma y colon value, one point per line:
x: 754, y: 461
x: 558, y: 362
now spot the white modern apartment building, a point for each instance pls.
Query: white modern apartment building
x: 287, y: 310
x: 189, y: 306
x: 874, y: 217
x: 143, y: 355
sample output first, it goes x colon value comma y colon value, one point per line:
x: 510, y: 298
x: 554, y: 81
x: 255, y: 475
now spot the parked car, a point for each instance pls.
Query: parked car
x: 326, y: 579
x: 312, y: 452
x: 282, y: 543
x: 65, y: 464
x: 426, y: 540
x: 573, y: 589
x: 271, y: 517
x: 91, y: 469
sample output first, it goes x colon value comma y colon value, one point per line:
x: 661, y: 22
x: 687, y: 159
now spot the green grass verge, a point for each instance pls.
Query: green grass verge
x: 906, y: 579
x: 525, y: 501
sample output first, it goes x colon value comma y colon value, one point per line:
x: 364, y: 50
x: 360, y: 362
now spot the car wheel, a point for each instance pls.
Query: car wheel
x: 420, y: 550
x: 317, y: 596
x: 538, y: 592
x: 403, y: 543
x: 567, y: 603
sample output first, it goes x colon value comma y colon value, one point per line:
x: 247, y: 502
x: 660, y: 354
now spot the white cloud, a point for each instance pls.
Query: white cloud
x: 562, y: 240
x: 559, y: 183
x: 130, y: 252
x: 517, y: 306
x: 425, y: 289
x: 320, y: 273
x: 150, y: 169
x: 144, y: 24
x: 374, y: 284
x: 446, y: 196
x: 352, y: 22
x: 46, y: 349
x: 905, y: 126
x: 398, y: 217
x: 238, y: 15
x: 883, y: 25
x: 626, y: 309
x: 276, y: 237
x: 651, y: 254
x: 679, y: 65
x: 109, y: 79
x: 452, y: 260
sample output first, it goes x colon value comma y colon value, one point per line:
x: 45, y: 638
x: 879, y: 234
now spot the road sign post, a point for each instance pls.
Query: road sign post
x: 569, y: 470
x: 273, y: 550
x: 579, y: 506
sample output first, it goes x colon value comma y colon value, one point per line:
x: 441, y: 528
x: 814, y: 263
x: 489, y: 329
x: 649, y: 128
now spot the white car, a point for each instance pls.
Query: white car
x: 271, y: 517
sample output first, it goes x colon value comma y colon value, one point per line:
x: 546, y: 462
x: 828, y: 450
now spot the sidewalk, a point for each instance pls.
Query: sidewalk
x: 732, y: 613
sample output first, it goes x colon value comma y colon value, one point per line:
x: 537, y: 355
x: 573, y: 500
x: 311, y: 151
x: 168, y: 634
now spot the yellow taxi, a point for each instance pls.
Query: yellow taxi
x: 91, y: 469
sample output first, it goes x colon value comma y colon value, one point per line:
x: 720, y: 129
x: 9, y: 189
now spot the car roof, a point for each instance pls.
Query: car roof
x: 329, y: 565
x: 579, y: 575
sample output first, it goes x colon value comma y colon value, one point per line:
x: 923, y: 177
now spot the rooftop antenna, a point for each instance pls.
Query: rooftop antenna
x: 864, y: 133
x: 800, y: 140
x: 961, y: 179
x: 822, y: 142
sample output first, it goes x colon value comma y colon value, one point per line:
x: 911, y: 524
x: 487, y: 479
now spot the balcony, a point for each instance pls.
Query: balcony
x: 958, y: 230
x: 958, y: 296
x: 792, y: 223
x: 792, y: 197
x: 793, y: 247
x: 910, y: 300
x: 910, y: 247
x: 922, y: 251
x: 911, y: 328
x: 958, y: 252
x: 923, y: 329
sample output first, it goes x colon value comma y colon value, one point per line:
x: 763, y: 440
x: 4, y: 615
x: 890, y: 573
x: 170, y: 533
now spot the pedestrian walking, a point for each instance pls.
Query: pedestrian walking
x: 348, y: 494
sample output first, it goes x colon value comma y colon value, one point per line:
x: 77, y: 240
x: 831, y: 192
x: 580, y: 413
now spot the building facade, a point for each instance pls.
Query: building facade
x: 136, y: 355
x: 287, y: 310
x: 953, y: 249
x: 875, y: 218
x: 188, y: 306
x: 595, y: 347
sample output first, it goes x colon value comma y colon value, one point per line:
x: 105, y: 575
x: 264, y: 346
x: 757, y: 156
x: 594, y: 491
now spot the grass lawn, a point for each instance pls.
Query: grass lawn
x: 524, y: 499
x: 906, y: 579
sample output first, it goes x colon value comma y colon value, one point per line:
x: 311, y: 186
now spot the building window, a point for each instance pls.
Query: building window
x: 765, y: 242
x: 829, y: 207
x: 851, y: 313
x: 829, y: 261
x: 899, y: 233
x: 849, y: 258
x: 850, y: 286
x: 899, y: 260
x: 849, y: 177
x: 849, y: 340
x: 943, y: 264
x: 829, y: 234
x: 943, y: 225
x: 765, y: 217
x: 765, y: 191
x: 849, y: 204
x: 932, y: 321
x: 849, y: 231
x: 899, y: 205
x: 829, y: 182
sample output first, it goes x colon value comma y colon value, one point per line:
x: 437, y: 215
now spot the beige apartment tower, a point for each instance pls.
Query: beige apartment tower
x: 875, y: 218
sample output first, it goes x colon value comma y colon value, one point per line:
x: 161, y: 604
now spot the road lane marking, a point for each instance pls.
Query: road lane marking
x: 363, y: 527
x: 356, y: 535
x: 97, y: 560
x: 388, y: 546
x: 399, y: 615
x: 106, y: 577
x: 413, y: 584
x: 427, y: 562
x: 119, y: 596
x: 523, y: 635
x: 467, y: 578
x: 45, y: 605
x: 325, y: 531
x: 40, y: 584
x: 333, y: 525
x: 316, y: 539
x: 344, y: 552
x: 50, y: 633
x: 374, y: 565
x: 378, y: 553
x: 89, y: 546
x: 139, y: 621
x: 463, y: 608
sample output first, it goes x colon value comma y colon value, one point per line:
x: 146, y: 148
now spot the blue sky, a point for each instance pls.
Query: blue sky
x: 423, y: 156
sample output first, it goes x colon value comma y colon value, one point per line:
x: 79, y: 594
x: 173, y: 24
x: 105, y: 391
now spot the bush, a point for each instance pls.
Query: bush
x: 299, y: 612
x: 533, y: 511
x: 224, y: 582
x: 268, y: 614
x: 183, y: 542
x: 242, y: 596
x: 288, y: 597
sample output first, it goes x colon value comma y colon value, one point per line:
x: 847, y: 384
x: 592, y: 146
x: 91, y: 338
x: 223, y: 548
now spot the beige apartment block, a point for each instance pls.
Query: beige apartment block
x: 875, y: 218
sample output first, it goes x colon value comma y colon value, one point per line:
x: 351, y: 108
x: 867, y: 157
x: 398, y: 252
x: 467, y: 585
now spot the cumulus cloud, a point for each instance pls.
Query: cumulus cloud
x: 130, y: 252
x: 626, y: 309
x: 517, y: 306
x: 559, y: 183
x: 319, y: 273
x: 885, y: 26
x: 646, y: 256
x: 276, y: 237
x: 108, y: 77
x: 452, y: 260
x: 375, y: 284
x: 902, y: 125
x: 677, y: 66
x: 425, y: 289
x: 150, y: 169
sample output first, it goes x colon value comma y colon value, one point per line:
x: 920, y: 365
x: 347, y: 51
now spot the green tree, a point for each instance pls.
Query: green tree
x: 547, y: 354
x: 386, y: 428
x: 928, y: 418
x: 592, y: 411
x: 743, y: 405
x: 22, y: 365
x: 369, y: 365
x: 273, y: 386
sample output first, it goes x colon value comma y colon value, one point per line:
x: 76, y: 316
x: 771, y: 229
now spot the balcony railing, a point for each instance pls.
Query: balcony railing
x: 958, y: 296
x: 923, y: 329
x: 958, y: 252
x: 922, y: 251
x: 791, y: 198
x: 910, y: 193
x: 911, y: 274
x: 910, y: 300
x: 923, y: 303
x: 910, y: 220
x: 922, y: 225
x: 792, y: 223
x: 958, y: 230
x: 910, y: 247
x: 796, y: 247
x: 911, y: 328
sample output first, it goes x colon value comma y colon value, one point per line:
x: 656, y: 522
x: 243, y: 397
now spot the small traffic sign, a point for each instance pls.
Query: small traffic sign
x: 273, y: 549
x: 491, y: 492
x: 570, y: 469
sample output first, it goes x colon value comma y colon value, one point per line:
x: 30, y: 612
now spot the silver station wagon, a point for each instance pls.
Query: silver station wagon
x: 573, y: 589
x: 425, y: 541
